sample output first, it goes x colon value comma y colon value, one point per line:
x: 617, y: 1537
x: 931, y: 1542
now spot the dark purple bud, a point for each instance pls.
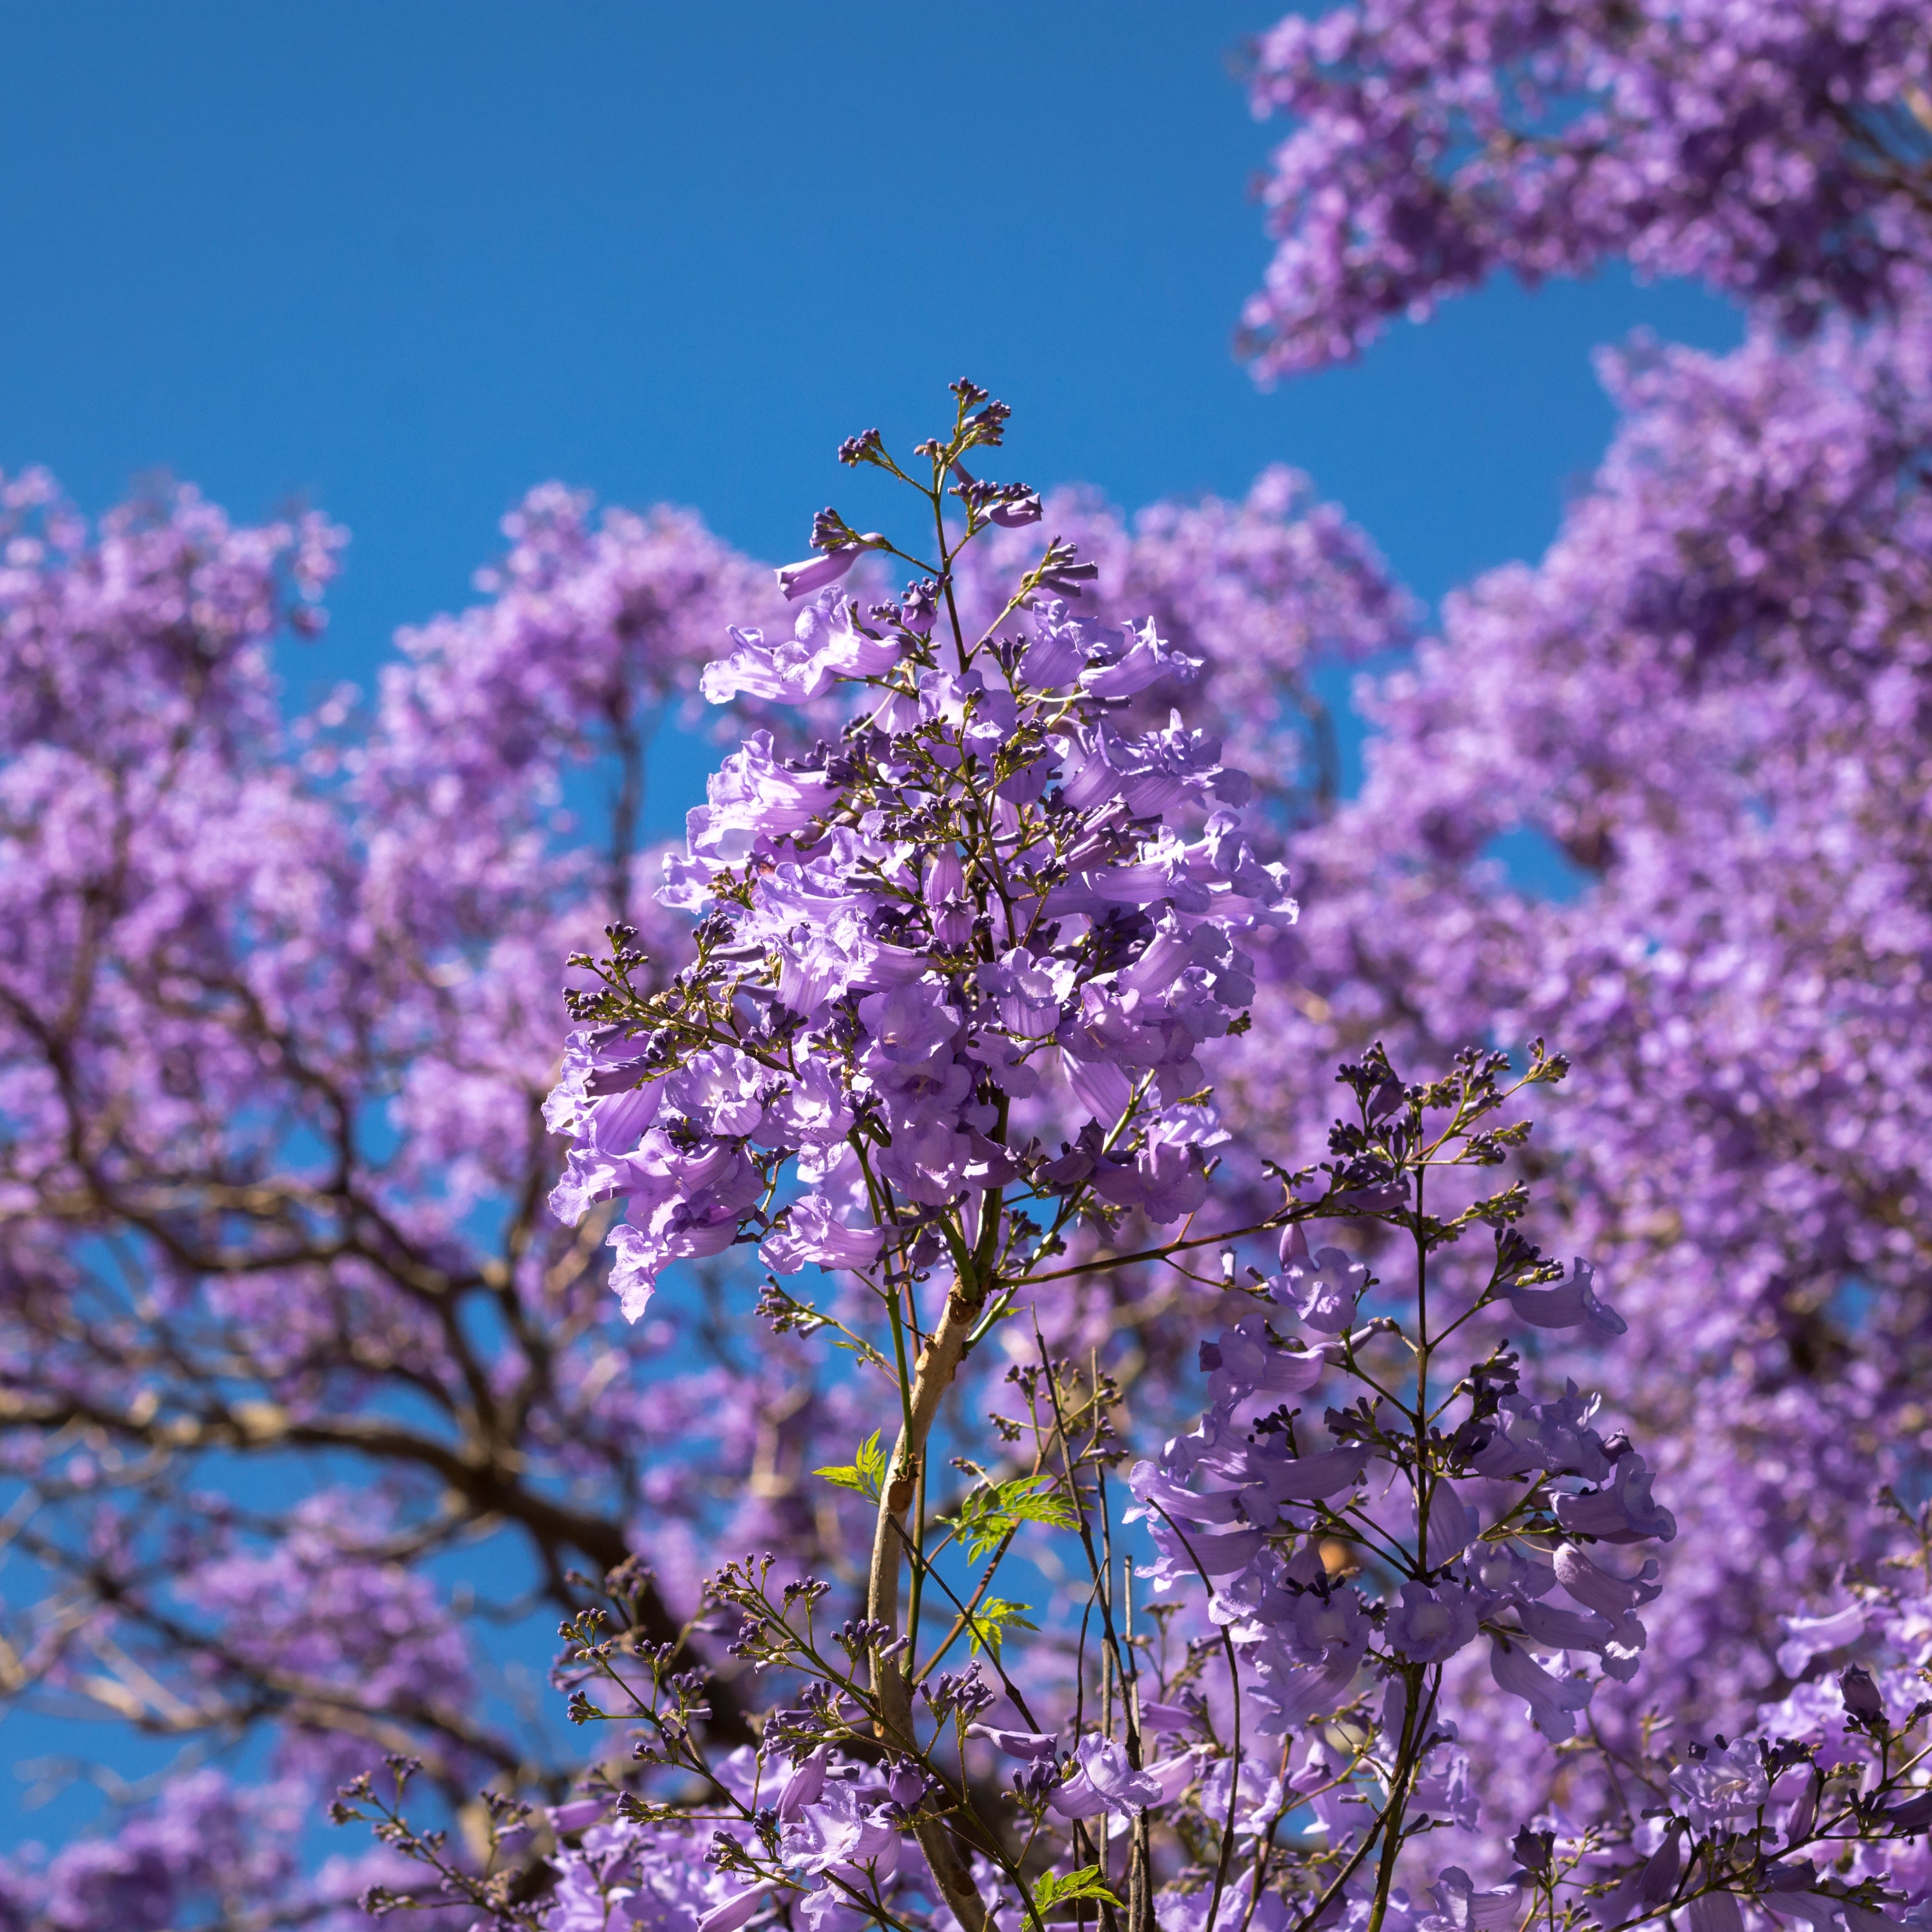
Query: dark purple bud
x: 1383, y: 1197
x: 991, y: 422
x: 1530, y: 1849
x: 907, y: 1785
x: 1862, y: 1701
x: 920, y: 607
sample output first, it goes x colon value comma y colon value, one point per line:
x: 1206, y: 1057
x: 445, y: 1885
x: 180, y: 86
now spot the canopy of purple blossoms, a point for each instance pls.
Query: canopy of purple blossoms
x: 278, y: 1019
x: 1779, y: 153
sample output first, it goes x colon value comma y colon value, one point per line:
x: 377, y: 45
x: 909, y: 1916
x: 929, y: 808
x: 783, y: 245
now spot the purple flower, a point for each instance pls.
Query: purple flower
x: 803, y: 1784
x: 1289, y: 1700
x: 1568, y: 1305
x: 1103, y: 1780
x: 1443, y: 1789
x: 1429, y: 1625
x: 1622, y: 1511
x: 1168, y: 1718
x: 810, y: 1231
x: 753, y: 796
x: 1100, y: 1087
x: 1321, y: 1288
x: 909, y: 1025
x: 1461, y: 1907
x: 1553, y: 1702
x: 1553, y: 1436
x: 721, y: 1090
x: 1601, y: 1590
x: 618, y: 1121
x: 1057, y: 650
x: 577, y: 1814
x: 1807, y: 1637
x: 1453, y: 1524
x: 1317, y: 1476
x: 1243, y: 1361
x: 928, y: 1161
x: 1016, y: 512
x: 1550, y: 1628
x: 1326, y: 1625
x: 812, y: 1109
x: 815, y: 573
x: 826, y: 645
x: 1715, y: 1912
x: 1027, y: 995
x: 1033, y: 1746
x: 735, y: 1911
x: 843, y: 1833
x: 1141, y: 658
x: 1723, y: 1785
x: 1648, y: 1884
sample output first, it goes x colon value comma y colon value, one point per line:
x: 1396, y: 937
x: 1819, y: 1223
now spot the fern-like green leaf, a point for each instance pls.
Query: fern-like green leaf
x: 994, y: 1619
x: 991, y: 1513
x: 866, y: 1473
x: 1057, y: 1887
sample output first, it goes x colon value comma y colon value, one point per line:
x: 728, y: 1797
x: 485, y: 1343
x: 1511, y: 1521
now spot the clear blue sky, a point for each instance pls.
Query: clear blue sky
x: 403, y: 261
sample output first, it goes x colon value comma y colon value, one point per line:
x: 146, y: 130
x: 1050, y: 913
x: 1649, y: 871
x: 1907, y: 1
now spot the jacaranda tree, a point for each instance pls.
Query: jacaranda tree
x: 1010, y: 1435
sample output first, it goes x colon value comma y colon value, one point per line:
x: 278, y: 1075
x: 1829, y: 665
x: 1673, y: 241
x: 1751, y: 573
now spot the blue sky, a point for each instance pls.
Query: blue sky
x: 401, y: 262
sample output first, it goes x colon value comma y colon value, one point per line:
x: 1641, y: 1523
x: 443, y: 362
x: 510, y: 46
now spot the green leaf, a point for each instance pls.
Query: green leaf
x: 1057, y: 1887
x: 867, y: 1474
x: 993, y: 1619
x: 989, y: 1514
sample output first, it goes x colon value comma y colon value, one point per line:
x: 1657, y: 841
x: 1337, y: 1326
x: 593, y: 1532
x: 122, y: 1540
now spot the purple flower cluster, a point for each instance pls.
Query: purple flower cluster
x: 278, y: 1019
x: 1483, y: 1545
x: 1707, y: 698
x: 979, y: 915
x: 343, y: 1631
x: 1777, y: 152
x: 206, y: 1852
x: 1702, y: 705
